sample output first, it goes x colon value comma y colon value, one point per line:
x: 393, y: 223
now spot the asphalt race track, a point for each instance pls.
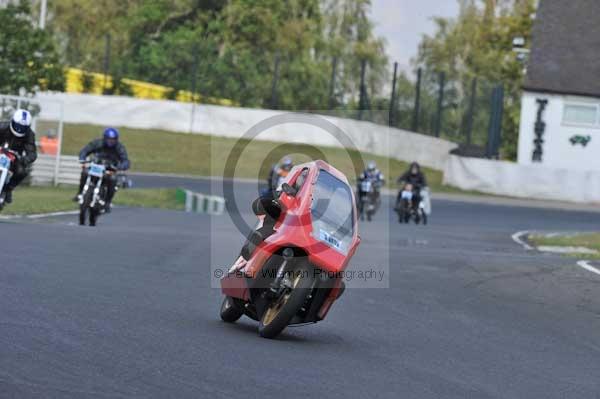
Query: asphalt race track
x: 127, y: 310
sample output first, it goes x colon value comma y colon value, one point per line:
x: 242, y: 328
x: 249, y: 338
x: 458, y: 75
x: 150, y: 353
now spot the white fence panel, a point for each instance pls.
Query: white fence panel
x: 235, y: 122
x: 43, y: 172
x: 522, y: 181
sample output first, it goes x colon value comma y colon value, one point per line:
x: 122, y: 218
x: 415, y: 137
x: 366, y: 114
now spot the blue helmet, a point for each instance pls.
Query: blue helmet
x: 111, y: 137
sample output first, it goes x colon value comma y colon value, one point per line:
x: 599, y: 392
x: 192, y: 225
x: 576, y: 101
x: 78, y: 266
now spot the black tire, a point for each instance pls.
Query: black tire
x: 400, y: 211
x: 230, y: 311
x: 281, y: 310
x: 424, y: 216
x: 369, y: 216
x: 94, y: 213
x: 406, y: 211
x: 85, y: 207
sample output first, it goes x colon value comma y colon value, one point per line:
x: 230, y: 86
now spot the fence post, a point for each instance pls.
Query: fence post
x: 274, y: 100
x: 194, y: 78
x: 363, y: 89
x: 332, y: 84
x: 106, y: 62
x: 471, y: 112
x: 417, y: 110
x: 495, y: 125
x: 392, y: 117
x: 59, y: 145
x: 440, y: 105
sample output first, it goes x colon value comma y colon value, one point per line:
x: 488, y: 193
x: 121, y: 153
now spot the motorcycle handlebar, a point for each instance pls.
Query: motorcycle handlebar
x: 109, y: 167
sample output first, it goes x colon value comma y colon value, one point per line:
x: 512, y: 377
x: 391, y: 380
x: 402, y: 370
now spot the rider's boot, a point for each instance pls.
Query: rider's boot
x: 8, y: 196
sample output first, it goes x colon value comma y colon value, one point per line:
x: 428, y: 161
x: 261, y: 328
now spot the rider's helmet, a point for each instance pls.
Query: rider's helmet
x: 111, y: 137
x: 371, y: 166
x: 20, y: 123
x: 415, y: 168
x: 287, y: 164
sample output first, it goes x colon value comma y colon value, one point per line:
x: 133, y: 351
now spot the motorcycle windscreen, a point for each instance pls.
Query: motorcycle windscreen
x: 332, y: 212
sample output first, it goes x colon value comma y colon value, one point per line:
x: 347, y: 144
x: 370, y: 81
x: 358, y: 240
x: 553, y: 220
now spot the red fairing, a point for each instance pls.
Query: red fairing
x: 296, y: 228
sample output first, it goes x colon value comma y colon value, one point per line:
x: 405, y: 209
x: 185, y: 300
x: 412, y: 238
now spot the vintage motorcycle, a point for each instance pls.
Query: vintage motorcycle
x: 406, y: 209
x: 369, y: 199
x: 92, y: 200
x: 293, y: 274
x: 7, y: 157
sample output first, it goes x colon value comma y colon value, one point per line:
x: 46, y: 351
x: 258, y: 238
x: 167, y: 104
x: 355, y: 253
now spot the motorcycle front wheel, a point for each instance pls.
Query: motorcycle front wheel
x: 282, y: 309
x: 230, y: 311
x: 85, y: 207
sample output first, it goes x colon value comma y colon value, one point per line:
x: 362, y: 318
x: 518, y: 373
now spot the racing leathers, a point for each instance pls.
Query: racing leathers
x: 116, y: 156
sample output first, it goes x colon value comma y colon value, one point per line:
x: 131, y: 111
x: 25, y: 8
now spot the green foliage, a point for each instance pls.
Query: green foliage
x: 479, y: 44
x: 236, y: 43
x: 87, y: 82
x: 28, y: 58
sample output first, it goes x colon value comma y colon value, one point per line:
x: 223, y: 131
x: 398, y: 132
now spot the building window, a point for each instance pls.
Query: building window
x: 580, y: 114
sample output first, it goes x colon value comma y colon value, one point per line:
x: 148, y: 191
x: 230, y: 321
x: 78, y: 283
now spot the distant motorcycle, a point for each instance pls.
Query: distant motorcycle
x: 294, y: 275
x: 369, y: 199
x: 406, y: 209
x: 92, y: 200
x: 7, y: 157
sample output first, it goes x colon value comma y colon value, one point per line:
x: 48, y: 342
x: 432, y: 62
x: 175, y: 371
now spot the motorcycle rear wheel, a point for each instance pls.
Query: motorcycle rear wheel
x: 281, y: 310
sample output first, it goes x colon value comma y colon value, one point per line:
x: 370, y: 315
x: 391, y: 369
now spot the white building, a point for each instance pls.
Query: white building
x: 561, y: 97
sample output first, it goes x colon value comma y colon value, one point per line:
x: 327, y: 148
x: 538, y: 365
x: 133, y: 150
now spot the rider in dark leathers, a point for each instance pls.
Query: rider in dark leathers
x: 416, y: 178
x: 110, y: 150
x: 20, y: 138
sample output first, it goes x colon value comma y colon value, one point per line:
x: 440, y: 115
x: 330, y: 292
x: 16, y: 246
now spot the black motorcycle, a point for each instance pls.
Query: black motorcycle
x: 408, y: 210
x: 93, y: 198
x: 368, y: 198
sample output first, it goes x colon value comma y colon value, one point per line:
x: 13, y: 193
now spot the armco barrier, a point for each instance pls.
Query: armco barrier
x: 44, y: 170
x: 523, y: 181
x: 201, y: 203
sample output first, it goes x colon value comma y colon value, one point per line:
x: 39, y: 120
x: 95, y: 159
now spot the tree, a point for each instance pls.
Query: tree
x: 28, y: 57
x: 237, y: 42
x: 479, y: 44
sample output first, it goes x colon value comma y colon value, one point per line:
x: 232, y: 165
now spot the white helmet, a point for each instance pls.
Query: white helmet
x: 20, y: 123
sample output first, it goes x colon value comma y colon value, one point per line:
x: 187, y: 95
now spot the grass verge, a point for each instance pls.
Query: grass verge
x: 587, y: 240
x: 36, y: 200
x: 203, y: 155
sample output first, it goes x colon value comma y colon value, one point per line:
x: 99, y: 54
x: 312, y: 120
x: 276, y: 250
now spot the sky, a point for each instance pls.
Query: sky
x: 403, y: 22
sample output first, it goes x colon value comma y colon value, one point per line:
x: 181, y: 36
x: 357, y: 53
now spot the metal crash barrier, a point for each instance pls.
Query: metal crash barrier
x: 45, y: 170
x: 201, y: 203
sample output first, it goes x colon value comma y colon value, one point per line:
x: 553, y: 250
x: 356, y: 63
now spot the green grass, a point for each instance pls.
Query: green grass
x: 588, y: 240
x: 203, y: 155
x: 34, y: 200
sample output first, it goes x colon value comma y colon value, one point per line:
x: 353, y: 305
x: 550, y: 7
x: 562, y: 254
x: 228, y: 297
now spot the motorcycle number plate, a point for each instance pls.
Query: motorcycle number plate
x: 96, y: 170
x: 366, y: 186
x: 329, y: 239
x: 407, y: 195
x: 4, y: 161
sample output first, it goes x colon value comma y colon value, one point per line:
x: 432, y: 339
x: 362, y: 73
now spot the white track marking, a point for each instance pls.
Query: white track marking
x: 586, y: 265
x: 52, y: 214
x: 517, y: 237
x: 39, y: 215
x: 567, y: 250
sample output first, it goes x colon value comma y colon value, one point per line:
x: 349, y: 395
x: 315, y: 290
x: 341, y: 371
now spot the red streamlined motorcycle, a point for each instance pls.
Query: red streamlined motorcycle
x: 292, y: 272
